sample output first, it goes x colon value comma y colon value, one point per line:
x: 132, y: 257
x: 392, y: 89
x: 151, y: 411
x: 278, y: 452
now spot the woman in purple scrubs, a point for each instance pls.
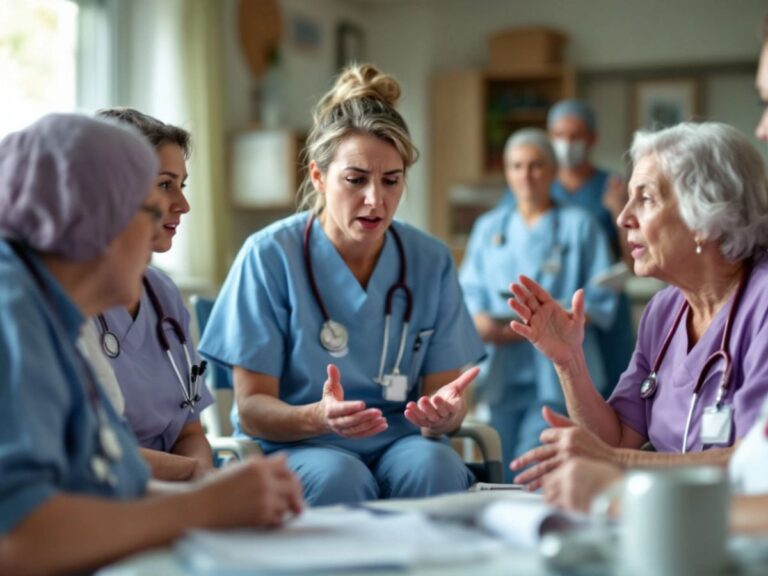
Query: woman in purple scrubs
x: 163, y: 397
x: 697, y: 218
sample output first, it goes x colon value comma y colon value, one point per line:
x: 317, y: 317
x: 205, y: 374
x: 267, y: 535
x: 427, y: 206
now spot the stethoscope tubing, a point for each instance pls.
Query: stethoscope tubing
x: 388, y: 305
x: 190, y: 391
x: 722, y: 354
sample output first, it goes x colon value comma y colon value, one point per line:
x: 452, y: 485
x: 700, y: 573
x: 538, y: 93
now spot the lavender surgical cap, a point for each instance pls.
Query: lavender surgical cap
x: 576, y: 108
x: 69, y: 184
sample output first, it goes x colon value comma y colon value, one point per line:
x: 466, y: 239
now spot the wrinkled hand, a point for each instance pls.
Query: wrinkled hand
x: 575, y: 484
x: 555, y: 332
x: 257, y: 492
x: 615, y: 197
x: 563, y: 441
x: 350, y: 418
x: 443, y: 411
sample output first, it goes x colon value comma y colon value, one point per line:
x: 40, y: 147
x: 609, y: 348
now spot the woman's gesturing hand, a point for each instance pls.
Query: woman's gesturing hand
x: 443, y: 411
x: 559, y: 443
x: 348, y: 418
x: 556, y: 333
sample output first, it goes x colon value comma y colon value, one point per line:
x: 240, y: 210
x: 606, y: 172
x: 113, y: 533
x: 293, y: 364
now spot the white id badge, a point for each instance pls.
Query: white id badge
x: 395, y: 387
x: 716, y: 425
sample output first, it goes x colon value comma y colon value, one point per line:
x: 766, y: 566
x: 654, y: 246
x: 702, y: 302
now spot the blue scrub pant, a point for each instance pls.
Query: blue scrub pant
x: 410, y: 467
x: 519, y: 423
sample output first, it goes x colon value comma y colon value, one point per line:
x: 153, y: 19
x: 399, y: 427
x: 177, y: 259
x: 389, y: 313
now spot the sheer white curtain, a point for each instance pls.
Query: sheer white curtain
x: 168, y: 65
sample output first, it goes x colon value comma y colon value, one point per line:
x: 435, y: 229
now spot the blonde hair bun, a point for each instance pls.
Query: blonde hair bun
x: 357, y: 82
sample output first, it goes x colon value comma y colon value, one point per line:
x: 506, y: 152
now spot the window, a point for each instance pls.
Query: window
x: 38, y: 60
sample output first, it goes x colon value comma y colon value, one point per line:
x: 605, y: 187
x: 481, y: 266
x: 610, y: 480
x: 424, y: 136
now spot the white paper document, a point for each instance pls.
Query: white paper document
x: 331, y: 540
x: 517, y: 517
x: 522, y: 523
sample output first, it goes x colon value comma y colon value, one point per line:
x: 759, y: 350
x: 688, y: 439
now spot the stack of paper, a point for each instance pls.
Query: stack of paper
x: 331, y: 540
x: 523, y: 523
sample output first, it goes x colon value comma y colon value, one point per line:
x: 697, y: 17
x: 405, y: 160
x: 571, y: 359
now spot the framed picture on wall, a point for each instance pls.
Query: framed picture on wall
x: 660, y: 103
x: 350, y: 44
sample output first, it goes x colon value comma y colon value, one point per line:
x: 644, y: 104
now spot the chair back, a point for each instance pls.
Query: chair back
x: 218, y: 378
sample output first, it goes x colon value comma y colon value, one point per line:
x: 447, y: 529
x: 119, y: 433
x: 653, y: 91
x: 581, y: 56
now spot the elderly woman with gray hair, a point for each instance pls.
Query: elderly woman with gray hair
x: 78, y: 215
x: 562, y: 247
x: 697, y: 218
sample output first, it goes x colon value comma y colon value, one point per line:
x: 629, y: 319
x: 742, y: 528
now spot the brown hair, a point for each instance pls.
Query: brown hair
x: 157, y: 132
x: 362, y: 101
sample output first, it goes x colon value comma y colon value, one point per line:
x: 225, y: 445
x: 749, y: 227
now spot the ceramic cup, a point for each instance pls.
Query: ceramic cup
x: 671, y: 522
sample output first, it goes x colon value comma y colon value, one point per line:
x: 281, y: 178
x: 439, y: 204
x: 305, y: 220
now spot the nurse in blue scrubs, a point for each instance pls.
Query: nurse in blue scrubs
x: 78, y: 212
x: 346, y: 329
x: 563, y: 247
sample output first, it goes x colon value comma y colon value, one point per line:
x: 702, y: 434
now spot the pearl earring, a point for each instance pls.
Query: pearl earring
x: 698, y: 246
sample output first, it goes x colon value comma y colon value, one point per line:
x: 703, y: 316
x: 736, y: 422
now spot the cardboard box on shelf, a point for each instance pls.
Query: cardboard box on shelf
x: 521, y: 48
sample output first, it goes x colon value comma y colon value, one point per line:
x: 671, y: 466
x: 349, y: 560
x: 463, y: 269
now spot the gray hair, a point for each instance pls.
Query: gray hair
x: 362, y: 101
x: 719, y: 180
x: 531, y: 137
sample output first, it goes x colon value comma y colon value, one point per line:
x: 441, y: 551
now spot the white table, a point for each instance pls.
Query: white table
x: 511, y: 563
x: 508, y: 561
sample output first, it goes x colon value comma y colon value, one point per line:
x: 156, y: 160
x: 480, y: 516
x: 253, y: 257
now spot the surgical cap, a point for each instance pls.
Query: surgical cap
x: 69, y: 184
x: 577, y: 108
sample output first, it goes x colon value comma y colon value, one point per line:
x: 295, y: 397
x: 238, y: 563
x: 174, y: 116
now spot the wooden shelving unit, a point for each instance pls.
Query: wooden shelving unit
x: 473, y: 113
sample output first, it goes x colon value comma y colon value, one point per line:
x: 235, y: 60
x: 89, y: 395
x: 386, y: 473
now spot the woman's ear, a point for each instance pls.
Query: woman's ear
x: 317, y: 177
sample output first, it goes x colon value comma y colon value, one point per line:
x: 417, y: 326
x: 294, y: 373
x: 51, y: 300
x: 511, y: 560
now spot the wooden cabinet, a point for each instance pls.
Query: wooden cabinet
x: 472, y: 114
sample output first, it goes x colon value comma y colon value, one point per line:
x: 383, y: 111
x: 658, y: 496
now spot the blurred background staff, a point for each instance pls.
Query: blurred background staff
x: 78, y: 215
x: 572, y: 129
x: 561, y: 246
x: 346, y: 330
x: 160, y: 376
x: 697, y: 218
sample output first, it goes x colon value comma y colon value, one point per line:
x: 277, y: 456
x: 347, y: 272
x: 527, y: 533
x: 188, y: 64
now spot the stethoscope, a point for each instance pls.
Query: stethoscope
x: 109, y: 450
x: 553, y: 264
x: 189, y: 389
x: 650, y: 384
x: 334, y: 336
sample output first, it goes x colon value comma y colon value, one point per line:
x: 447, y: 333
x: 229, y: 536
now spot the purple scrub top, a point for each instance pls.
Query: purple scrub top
x: 662, y: 417
x: 151, y: 389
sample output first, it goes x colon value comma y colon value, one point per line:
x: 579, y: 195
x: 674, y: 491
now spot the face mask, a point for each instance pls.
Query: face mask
x: 569, y: 153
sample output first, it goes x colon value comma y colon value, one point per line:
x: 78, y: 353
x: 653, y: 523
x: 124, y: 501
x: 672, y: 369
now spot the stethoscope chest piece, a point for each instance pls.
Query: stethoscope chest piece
x: 110, y: 344
x: 648, y: 387
x: 334, y: 338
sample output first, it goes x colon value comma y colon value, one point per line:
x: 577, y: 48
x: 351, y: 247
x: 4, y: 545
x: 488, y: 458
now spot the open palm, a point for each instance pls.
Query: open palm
x: 555, y: 332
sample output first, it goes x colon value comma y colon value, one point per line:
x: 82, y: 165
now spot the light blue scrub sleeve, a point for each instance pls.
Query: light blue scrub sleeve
x: 473, y: 274
x: 34, y: 400
x: 600, y: 304
x: 455, y: 341
x: 249, y: 321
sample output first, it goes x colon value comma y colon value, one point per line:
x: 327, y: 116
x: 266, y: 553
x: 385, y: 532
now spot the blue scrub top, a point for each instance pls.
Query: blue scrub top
x: 48, y: 425
x: 590, y: 197
x: 150, y: 387
x: 490, y: 266
x: 266, y: 320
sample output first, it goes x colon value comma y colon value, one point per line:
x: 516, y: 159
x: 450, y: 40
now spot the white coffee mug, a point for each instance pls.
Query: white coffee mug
x: 672, y: 522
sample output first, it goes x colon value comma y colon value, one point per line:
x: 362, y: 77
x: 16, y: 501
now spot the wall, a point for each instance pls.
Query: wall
x: 298, y: 79
x: 413, y: 38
